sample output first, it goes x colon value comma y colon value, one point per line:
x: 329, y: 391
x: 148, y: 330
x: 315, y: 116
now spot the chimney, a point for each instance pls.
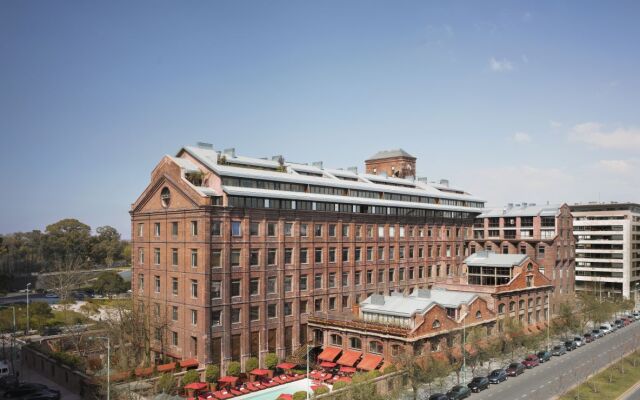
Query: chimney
x: 231, y: 152
x: 444, y: 182
x: 317, y: 164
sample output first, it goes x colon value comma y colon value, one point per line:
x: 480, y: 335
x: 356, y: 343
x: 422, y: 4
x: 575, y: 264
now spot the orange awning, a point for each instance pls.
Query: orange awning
x: 192, y: 362
x: 329, y: 354
x: 228, y: 379
x: 369, y: 362
x: 286, y: 365
x: 260, y: 372
x: 166, y: 367
x: 349, y: 358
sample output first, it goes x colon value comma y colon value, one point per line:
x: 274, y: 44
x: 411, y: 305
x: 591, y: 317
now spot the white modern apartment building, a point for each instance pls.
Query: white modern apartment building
x: 607, y: 248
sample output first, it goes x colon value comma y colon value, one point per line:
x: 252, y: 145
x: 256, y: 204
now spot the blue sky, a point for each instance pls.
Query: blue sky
x: 513, y: 101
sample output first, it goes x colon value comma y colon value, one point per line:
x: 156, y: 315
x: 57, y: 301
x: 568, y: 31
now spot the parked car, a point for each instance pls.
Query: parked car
x: 531, y: 361
x: 544, y: 356
x: 558, y: 350
x: 497, y: 375
x: 478, y: 384
x: 458, y: 392
x: 588, y: 337
x: 7, y: 381
x: 46, y: 394
x: 24, y: 389
x: 605, y: 328
x: 438, y: 396
x: 626, y: 321
x: 619, y: 323
x: 570, y: 345
x: 636, y: 315
x: 51, y: 330
x: 597, y: 333
x: 515, y: 369
x: 579, y: 341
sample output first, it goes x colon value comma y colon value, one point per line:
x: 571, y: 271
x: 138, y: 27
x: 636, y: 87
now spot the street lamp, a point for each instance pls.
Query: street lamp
x: 108, y: 363
x: 548, y: 320
x: 13, y: 337
x: 464, y: 352
x: 28, y: 284
x: 308, y: 380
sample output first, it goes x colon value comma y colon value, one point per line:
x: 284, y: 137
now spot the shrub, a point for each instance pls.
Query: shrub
x: 372, y: 374
x: 271, y: 360
x: 65, y: 358
x: 166, y: 383
x: 359, y: 377
x: 212, y: 373
x: 299, y: 371
x: 320, y: 390
x: 339, y: 385
x: 251, y: 364
x: 233, y: 368
x: 301, y: 395
x: 190, y: 376
x: 389, y: 369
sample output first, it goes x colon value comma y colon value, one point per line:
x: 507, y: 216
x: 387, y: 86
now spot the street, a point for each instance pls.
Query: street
x: 560, y: 373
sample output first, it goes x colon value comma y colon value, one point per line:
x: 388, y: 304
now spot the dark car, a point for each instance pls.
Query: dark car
x: 8, y: 381
x: 458, y: 392
x: 558, y: 350
x: 438, y: 396
x: 497, y: 375
x: 515, y: 369
x: 544, y: 355
x: 24, y: 389
x: 570, y: 345
x: 46, y: 394
x: 597, y: 333
x: 531, y: 361
x: 619, y: 323
x: 588, y: 337
x: 478, y: 384
x: 51, y: 330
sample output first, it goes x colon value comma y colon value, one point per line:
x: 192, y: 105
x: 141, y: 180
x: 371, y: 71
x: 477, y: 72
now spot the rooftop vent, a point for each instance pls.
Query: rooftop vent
x: 353, y: 169
x: 444, y: 182
x: 204, y: 145
x: 510, y: 205
x: 532, y: 204
x: 317, y: 164
x: 524, y: 205
x: 231, y: 152
x: 423, y: 179
x: 276, y: 158
x: 377, y: 299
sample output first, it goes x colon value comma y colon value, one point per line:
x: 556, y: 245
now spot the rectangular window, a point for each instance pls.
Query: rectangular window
x: 369, y: 276
x: 345, y: 254
x: 254, y: 228
x: 174, y: 257
x: 318, y: 305
x: 288, y: 229
x: 174, y: 338
x: 381, y: 231
x: 141, y: 255
x: 345, y: 230
x: 318, y: 282
x: 345, y: 279
x: 345, y: 301
x: 140, y: 282
x: 288, y: 256
x: 332, y: 254
x: 370, y: 231
x: 236, y: 228
x: 216, y: 317
x: 174, y: 313
x: 272, y: 310
x: 140, y: 230
x: 303, y: 306
x: 194, y: 228
x: 174, y: 229
x: 194, y: 289
x: 194, y: 317
x: 318, y: 230
x: 194, y: 257
x: 156, y: 229
x: 357, y: 278
x: 254, y: 286
x: 156, y: 256
x: 235, y: 315
x: 216, y: 289
x: 271, y: 285
x: 254, y: 313
x: 156, y: 281
x: 303, y: 282
x: 304, y: 230
x: 288, y: 283
x: 358, y: 231
x: 216, y: 258
x: 332, y: 279
x: 288, y: 309
x: 235, y: 287
x: 381, y: 253
x: 369, y: 253
x: 271, y: 256
x: 392, y: 253
x: 380, y: 276
x: 254, y: 257
x: 216, y: 229
x: 174, y: 286
x: 235, y: 257
x: 318, y: 255
x: 332, y: 230
x: 358, y: 255
x: 392, y: 231
x: 304, y: 256
x: 332, y: 303
x: 272, y: 229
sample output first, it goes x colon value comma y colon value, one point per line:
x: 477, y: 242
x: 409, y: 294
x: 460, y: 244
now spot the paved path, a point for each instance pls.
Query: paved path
x: 632, y: 394
x: 558, y: 375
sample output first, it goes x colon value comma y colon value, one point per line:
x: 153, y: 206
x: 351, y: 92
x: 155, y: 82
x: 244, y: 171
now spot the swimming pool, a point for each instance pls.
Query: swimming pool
x: 274, y: 392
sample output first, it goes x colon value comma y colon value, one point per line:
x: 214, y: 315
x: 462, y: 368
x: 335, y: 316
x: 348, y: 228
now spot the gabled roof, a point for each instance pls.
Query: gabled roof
x: 420, y: 301
x: 491, y: 259
x: 389, y: 154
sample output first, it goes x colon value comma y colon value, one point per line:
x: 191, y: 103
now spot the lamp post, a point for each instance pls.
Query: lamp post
x: 28, y: 284
x: 308, y: 380
x: 464, y: 350
x: 108, y: 363
x: 548, y: 320
x: 13, y: 338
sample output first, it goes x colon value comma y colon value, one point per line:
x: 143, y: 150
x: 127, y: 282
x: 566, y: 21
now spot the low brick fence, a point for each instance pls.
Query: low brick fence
x: 75, y: 381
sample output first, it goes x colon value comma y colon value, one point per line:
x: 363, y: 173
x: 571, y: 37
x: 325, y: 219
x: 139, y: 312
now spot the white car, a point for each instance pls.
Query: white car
x: 606, y: 328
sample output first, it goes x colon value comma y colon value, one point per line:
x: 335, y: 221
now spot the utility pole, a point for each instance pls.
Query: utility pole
x: 548, y: 319
x: 28, y: 284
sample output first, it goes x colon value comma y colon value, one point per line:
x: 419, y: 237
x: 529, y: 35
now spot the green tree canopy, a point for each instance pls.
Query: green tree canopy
x: 109, y: 282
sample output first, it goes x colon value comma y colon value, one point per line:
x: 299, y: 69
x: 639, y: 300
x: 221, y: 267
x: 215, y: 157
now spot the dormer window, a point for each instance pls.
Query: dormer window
x: 165, y: 197
x: 436, y: 324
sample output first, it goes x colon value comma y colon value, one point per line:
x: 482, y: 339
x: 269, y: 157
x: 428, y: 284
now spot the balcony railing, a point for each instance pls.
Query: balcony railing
x: 350, y: 321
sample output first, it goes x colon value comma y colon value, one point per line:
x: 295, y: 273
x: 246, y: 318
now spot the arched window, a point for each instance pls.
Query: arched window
x: 436, y: 324
x: 165, y: 197
x: 355, y: 343
x: 335, y: 339
x: 529, y: 267
x: 501, y: 308
x: 375, y: 347
x: 512, y: 306
x: 478, y: 315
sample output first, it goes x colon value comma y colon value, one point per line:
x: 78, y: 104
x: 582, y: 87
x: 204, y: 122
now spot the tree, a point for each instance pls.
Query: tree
x: 422, y: 369
x: 212, y: 373
x: 65, y: 276
x: 68, y: 238
x: 233, y: 368
x: 109, y: 282
x: 189, y: 377
x: 566, y: 320
x: 107, y: 246
x: 251, y: 364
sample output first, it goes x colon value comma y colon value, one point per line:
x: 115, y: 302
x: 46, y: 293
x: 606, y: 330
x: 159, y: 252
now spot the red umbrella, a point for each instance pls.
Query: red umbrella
x: 197, y: 386
x: 285, y: 396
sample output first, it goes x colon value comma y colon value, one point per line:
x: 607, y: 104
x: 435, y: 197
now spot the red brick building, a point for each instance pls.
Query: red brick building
x: 544, y: 233
x: 232, y: 253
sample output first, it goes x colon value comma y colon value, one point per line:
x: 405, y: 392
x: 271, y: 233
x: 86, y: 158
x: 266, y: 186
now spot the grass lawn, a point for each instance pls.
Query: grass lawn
x: 610, y: 383
x: 70, y: 318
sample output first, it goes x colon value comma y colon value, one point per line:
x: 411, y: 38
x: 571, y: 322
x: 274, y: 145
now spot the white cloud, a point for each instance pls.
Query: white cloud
x: 503, y: 65
x: 617, y: 166
x: 594, y: 134
x: 521, y: 137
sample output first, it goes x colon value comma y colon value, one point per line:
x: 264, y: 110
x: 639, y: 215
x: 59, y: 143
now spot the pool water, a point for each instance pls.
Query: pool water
x: 274, y: 392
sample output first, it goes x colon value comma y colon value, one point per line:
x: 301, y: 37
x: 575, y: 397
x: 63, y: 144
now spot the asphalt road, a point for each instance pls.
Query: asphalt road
x: 560, y: 373
x: 633, y: 395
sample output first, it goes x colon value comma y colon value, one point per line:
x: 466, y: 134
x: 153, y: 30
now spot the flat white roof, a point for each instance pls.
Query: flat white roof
x: 522, y: 210
x: 420, y: 301
x: 491, y: 259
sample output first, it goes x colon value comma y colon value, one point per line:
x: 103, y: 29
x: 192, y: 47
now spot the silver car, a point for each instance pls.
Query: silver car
x: 579, y: 341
